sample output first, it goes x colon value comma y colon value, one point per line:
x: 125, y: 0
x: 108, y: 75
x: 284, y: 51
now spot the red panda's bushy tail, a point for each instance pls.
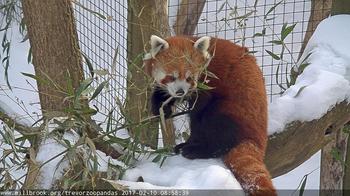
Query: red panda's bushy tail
x: 247, y: 164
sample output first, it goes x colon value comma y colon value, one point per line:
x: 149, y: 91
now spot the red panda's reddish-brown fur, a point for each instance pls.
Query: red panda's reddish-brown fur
x: 239, y: 94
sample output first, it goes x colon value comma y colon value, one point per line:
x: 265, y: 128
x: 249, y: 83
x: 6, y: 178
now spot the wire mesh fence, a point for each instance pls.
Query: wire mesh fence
x: 260, y: 25
x: 102, y: 30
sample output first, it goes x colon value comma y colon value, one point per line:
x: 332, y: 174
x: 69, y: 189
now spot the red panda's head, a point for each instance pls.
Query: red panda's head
x: 176, y: 63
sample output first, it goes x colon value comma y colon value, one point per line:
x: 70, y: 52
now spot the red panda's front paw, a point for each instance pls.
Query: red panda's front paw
x: 195, y: 151
x: 178, y: 147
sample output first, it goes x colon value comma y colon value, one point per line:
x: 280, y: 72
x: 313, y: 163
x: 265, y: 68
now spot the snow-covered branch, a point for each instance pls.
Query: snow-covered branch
x: 12, y: 122
x: 310, y: 112
x: 300, y: 140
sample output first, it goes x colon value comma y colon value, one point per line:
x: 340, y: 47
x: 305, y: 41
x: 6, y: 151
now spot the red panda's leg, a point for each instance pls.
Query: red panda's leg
x: 246, y: 163
x: 213, y: 134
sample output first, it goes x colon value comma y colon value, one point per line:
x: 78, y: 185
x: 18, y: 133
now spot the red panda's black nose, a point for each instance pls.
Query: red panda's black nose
x: 180, y: 92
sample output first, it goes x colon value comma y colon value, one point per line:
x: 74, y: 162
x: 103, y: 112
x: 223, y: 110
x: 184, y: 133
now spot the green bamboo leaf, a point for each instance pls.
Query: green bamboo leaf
x: 39, y: 80
x: 336, y: 154
x: 7, y: 65
x: 272, y: 8
x: 88, y: 111
x: 302, y: 188
x: 203, y: 86
x: 286, y: 30
x: 90, y: 10
x: 221, y: 7
x: 83, y: 85
x: 244, y: 16
x: 258, y: 35
x: 89, y: 64
x: 99, y: 89
x: 157, y: 158
x: 29, y: 57
x: 101, y: 72
x: 275, y: 56
x: 109, y: 121
x: 346, y: 129
x: 256, y: 3
x: 163, y: 160
x: 276, y: 42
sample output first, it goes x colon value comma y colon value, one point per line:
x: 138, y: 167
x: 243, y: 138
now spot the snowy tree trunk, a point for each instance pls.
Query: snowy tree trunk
x: 56, y: 57
x: 145, y: 18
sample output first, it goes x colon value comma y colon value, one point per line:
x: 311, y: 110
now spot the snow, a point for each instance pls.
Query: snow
x: 323, y: 83
x: 22, y: 101
x: 103, y: 161
x: 178, y: 172
x: 50, y: 148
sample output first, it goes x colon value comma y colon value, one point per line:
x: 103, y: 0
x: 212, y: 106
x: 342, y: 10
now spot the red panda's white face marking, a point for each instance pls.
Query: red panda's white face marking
x: 175, y: 85
x: 175, y: 64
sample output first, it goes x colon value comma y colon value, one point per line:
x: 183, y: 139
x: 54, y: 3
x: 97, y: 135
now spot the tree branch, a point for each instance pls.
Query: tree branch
x: 93, y: 131
x: 12, y: 122
x: 300, y: 140
x: 187, y: 16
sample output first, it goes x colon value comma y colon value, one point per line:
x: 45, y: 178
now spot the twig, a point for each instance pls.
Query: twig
x: 161, y: 114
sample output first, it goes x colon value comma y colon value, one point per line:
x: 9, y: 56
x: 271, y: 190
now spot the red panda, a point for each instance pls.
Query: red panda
x: 230, y: 119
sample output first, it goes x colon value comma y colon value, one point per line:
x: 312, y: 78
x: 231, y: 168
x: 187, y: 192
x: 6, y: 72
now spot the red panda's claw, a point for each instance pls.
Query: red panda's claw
x: 178, y: 147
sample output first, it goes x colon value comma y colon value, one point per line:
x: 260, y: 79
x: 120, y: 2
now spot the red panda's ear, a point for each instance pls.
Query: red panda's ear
x: 202, y: 44
x: 157, y: 44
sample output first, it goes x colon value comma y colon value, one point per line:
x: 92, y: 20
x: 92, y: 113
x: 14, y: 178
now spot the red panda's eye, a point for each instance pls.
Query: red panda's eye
x: 168, y: 79
x: 189, y: 79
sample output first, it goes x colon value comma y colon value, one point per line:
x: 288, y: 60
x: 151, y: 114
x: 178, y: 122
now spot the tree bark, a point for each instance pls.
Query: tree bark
x: 346, y: 179
x: 300, y: 140
x: 188, y: 16
x: 145, y: 19
x: 56, y: 57
x: 340, y: 7
x: 332, y: 165
x: 334, y: 154
x: 56, y: 54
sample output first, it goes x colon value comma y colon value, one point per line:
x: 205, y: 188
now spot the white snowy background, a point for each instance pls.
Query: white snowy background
x: 327, y: 76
